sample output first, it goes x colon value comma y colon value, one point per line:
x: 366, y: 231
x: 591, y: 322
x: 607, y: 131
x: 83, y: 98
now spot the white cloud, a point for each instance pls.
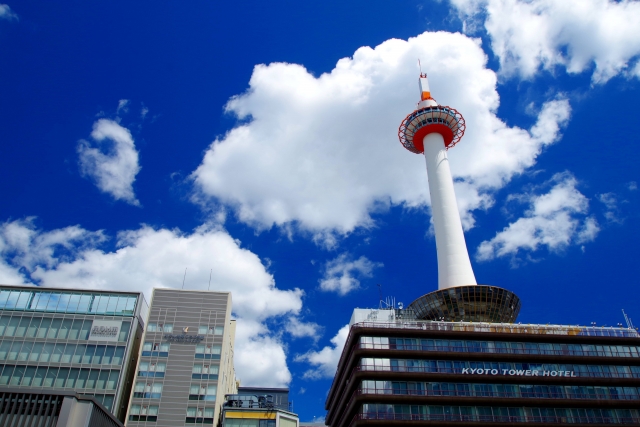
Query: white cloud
x: 580, y: 35
x: 23, y: 245
x: 342, y: 273
x: 612, y: 211
x: 632, y: 186
x: 554, y: 220
x: 123, y: 106
x: 300, y: 329
x: 111, y: 160
x: 260, y: 358
x: 7, y: 13
x: 325, y: 361
x: 321, y: 154
x: 147, y: 258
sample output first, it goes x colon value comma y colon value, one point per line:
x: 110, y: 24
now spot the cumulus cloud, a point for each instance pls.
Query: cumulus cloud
x: 321, y: 154
x: 7, y: 13
x: 325, y: 361
x: 145, y: 258
x: 579, y: 35
x: 342, y: 273
x: 22, y: 245
x: 554, y: 220
x: 300, y: 329
x: 111, y: 160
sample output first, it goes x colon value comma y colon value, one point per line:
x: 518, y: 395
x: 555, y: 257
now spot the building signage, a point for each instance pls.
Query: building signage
x: 105, y: 330
x: 184, y: 338
x: 518, y: 372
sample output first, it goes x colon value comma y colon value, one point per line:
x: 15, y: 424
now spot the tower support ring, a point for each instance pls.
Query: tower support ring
x: 446, y: 121
x: 476, y: 303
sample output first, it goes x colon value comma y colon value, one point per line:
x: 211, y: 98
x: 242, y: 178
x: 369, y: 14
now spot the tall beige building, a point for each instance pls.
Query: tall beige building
x: 185, y: 366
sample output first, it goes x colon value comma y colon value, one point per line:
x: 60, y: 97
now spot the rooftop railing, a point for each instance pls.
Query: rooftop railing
x: 534, y: 329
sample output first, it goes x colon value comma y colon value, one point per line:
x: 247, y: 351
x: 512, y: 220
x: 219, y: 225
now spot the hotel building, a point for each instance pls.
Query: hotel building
x: 399, y: 370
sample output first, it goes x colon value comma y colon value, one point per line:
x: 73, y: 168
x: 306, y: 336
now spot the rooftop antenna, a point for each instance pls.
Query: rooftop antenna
x: 380, y: 293
x: 185, y: 276
x: 628, y: 320
x: 420, y: 67
x: 209, y: 288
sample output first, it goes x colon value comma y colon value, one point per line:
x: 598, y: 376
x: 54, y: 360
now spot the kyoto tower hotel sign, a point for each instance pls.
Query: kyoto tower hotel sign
x: 432, y: 129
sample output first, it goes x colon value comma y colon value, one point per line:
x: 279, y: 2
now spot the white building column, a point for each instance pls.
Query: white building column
x: 454, y: 265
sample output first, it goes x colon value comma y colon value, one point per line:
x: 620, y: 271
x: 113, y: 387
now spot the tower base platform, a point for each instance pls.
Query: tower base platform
x: 477, y: 303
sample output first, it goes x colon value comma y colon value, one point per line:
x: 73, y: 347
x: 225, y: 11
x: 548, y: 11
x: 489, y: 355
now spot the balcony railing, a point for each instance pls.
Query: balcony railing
x: 447, y: 370
x: 511, y: 395
x: 497, y: 418
x: 495, y: 350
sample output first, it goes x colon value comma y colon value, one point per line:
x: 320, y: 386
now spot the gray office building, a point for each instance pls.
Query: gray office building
x: 185, y: 366
x: 71, y: 340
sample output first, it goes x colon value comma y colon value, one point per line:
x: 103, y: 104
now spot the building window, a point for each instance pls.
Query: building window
x: 60, y: 352
x: 147, y: 390
x: 160, y: 349
x: 500, y: 390
x: 70, y: 378
x: 152, y: 327
x: 457, y: 367
x: 143, y: 413
x: 67, y: 302
x: 240, y: 422
x: 199, y: 415
x: 208, y: 351
x: 46, y: 327
x: 210, y: 330
x: 203, y: 392
x: 152, y: 369
x: 204, y: 372
x: 554, y: 349
x: 488, y: 414
x: 165, y: 327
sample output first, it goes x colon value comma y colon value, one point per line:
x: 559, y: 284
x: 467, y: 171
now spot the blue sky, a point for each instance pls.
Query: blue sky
x: 257, y: 142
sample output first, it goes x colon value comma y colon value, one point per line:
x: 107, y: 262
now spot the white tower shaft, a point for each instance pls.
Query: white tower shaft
x: 454, y: 265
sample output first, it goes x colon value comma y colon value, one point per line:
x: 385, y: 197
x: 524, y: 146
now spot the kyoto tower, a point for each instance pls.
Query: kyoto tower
x: 432, y: 129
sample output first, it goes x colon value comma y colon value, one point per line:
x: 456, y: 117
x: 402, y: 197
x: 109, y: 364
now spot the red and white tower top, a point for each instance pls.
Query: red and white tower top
x: 430, y: 117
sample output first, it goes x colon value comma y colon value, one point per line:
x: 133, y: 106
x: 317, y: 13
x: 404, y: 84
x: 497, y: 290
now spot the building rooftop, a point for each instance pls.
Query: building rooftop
x: 536, y: 329
x: 405, y: 319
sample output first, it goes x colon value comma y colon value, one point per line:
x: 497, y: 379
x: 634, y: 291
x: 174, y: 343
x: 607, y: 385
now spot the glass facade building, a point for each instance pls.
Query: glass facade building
x: 68, y: 340
x: 186, y: 360
x: 395, y: 370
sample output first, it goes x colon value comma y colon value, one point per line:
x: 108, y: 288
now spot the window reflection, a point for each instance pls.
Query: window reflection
x: 68, y: 302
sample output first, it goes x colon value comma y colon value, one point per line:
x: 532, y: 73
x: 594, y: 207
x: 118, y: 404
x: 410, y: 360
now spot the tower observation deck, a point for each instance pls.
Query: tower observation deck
x: 432, y: 129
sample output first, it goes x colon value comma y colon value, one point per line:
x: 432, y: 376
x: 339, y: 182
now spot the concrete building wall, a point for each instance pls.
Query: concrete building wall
x: 186, y: 358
